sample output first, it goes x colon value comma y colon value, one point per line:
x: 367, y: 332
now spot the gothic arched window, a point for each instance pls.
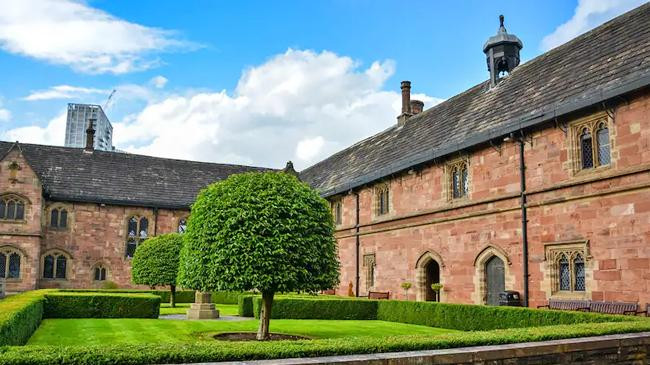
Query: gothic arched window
x: 12, y: 208
x: 592, y: 143
x: 578, y: 273
x: 9, y: 263
x: 55, y: 265
x: 99, y: 273
x: 586, y: 149
x: 137, y: 232
x: 58, y: 218
x: 564, y: 273
x: 602, y: 136
x: 459, y: 179
x: 382, y: 196
x: 337, y: 211
x: 182, y: 225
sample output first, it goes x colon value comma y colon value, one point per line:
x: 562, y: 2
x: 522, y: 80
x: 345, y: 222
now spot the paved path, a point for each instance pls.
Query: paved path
x: 221, y: 318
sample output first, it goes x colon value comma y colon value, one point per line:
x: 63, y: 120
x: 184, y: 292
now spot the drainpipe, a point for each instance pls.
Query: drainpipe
x: 155, y: 221
x: 524, y: 217
x: 358, y: 244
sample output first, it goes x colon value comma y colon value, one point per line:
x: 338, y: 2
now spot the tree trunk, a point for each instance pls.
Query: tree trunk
x: 172, y: 296
x: 265, y: 316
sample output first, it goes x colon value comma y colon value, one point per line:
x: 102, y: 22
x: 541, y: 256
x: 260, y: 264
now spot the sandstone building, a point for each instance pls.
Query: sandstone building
x: 536, y: 180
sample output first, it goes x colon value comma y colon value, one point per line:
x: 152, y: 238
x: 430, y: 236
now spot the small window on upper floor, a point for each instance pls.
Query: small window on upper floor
x: 12, y: 208
x: 337, y: 212
x: 382, y: 199
x: 137, y: 232
x: 458, y: 179
x: 182, y: 225
x: 58, y: 218
x: 591, y: 143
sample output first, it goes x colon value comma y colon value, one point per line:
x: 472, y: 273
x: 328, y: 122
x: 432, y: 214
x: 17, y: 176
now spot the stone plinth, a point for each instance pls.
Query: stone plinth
x: 202, y: 308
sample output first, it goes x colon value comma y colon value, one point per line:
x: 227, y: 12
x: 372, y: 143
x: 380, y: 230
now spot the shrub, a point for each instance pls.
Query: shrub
x: 109, y: 285
x: 469, y: 317
x: 243, y: 351
x: 268, y: 232
x: 156, y: 262
x: 101, y: 305
x: 302, y: 308
x: 20, y: 316
x: 227, y: 297
x: 182, y: 296
x: 245, y: 304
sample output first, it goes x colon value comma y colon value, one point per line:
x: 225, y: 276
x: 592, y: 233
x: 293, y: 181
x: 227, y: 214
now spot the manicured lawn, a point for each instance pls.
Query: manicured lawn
x: 80, y: 332
x: 181, y: 308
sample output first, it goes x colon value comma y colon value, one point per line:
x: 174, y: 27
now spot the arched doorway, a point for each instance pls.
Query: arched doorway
x: 495, y: 281
x: 433, y: 277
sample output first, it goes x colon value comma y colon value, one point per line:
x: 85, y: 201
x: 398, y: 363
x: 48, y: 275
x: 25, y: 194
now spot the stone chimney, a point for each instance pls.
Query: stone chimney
x: 90, y: 136
x: 406, y: 103
x: 416, y: 107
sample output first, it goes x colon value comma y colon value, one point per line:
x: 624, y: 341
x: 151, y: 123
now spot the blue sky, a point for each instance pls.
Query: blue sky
x: 254, y: 82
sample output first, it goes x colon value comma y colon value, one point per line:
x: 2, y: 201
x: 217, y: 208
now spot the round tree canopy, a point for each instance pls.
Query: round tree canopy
x: 264, y: 231
x: 156, y: 260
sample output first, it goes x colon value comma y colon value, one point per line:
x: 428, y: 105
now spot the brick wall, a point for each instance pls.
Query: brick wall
x: 608, y: 208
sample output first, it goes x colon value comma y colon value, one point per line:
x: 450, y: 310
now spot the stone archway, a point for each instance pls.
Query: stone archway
x: 428, y: 270
x: 490, y: 258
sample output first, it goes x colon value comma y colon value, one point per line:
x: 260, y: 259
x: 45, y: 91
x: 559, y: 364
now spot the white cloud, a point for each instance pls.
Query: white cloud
x: 158, y: 81
x: 588, y: 15
x: 299, y: 105
x: 5, y: 115
x: 71, y: 33
x: 64, y: 92
x: 52, y: 134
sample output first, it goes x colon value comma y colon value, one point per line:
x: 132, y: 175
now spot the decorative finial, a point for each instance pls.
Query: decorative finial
x: 501, y: 20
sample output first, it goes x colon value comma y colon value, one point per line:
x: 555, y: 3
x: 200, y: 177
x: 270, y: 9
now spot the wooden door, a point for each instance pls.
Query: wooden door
x: 494, y: 279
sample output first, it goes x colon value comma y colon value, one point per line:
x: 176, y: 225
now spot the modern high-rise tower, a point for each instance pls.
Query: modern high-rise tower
x: 79, y: 116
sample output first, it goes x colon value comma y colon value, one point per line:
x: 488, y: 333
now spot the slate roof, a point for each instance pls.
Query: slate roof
x: 608, y: 61
x: 70, y: 174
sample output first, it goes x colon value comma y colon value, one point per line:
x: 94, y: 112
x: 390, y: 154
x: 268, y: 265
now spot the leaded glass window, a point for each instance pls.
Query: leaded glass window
x: 586, y: 149
x: 9, y: 263
x: 602, y: 135
x: 579, y: 270
x: 100, y: 273
x: 565, y: 274
x: 55, y: 266
x: 459, y: 179
x: 59, y: 218
x: 383, y: 200
x: 12, y: 208
x: 137, y: 232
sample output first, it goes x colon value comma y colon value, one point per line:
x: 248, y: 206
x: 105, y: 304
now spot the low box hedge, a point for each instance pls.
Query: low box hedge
x: 182, y: 296
x: 245, y: 305
x: 227, y: 297
x: 322, y: 308
x: 101, y: 305
x: 20, y: 316
x: 468, y: 317
x: 244, y: 351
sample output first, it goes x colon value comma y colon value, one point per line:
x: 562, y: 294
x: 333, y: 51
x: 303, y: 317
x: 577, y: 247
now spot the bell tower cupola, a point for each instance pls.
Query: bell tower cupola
x: 502, y: 53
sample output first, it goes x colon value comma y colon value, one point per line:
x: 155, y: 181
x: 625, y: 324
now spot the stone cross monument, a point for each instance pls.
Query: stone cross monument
x: 202, y: 308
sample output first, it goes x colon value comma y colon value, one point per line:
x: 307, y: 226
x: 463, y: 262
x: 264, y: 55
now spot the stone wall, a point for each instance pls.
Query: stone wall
x: 625, y: 349
x: 606, y: 209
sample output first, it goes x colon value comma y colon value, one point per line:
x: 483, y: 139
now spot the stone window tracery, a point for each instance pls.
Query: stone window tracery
x: 137, y: 232
x: 99, y: 272
x: 12, y: 208
x: 10, y: 260
x: 591, y: 143
x: 458, y: 179
x: 567, y: 268
x: 55, y: 265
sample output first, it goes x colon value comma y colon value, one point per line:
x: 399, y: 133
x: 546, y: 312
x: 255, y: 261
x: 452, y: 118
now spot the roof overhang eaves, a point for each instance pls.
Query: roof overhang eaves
x: 513, y: 125
x: 117, y: 202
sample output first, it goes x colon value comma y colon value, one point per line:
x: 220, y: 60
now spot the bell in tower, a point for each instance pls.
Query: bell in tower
x: 502, y: 53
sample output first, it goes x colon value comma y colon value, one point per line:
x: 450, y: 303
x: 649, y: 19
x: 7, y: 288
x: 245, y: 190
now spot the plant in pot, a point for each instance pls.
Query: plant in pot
x: 436, y: 287
x: 406, y: 286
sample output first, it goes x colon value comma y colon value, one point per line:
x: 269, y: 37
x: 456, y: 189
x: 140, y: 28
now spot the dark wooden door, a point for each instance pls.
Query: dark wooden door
x: 495, y: 279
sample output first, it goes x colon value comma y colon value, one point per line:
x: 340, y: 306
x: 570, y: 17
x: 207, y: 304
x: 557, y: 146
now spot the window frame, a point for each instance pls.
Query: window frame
x: 181, y: 221
x: 8, y: 251
x: 554, y: 253
x: 17, y: 199
x: 59, y: 209
x: 337, y: 211
x: 382, y: 199
x: 592, y: 125
x: 370, y: 263
x: 458, y: 170
x: 56, y: 254
x: 138, y: 238
x: 99, y: 266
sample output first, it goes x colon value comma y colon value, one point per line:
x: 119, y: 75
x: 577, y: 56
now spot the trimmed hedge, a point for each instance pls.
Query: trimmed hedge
x: 306, y: 308
x: 467, y: 317
x: 245, y: 301
x: 20, y: 316
x: 245, y: 305
x: 253, y: 350
x: 227, y: 297
x: 182, y: 296
x: 101, y: 305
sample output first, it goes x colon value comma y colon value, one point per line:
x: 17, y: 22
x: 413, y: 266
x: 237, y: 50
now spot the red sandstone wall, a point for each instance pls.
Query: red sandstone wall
x: 609, y: 208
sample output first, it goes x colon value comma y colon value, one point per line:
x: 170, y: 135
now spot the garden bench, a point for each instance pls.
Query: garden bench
x: 329, y: 292
x: 647, y: 310
x: 566, y: 304
x: 378, y: 295
x: 614, y: 307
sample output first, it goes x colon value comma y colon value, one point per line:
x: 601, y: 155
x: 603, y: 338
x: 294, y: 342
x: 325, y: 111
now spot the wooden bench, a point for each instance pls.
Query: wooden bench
x: 329, y: 292
x: 378, y: 295
x: 629, y: 308
x: 566, y: 304
x: 647, y: 310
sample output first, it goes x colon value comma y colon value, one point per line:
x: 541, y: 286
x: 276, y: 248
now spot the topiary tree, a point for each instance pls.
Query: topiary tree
x: 156, y: 262
x: 260, y: 231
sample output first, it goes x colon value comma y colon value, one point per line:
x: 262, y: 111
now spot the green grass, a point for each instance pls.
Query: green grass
x: 181, y: 308
x: 82, y: 332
